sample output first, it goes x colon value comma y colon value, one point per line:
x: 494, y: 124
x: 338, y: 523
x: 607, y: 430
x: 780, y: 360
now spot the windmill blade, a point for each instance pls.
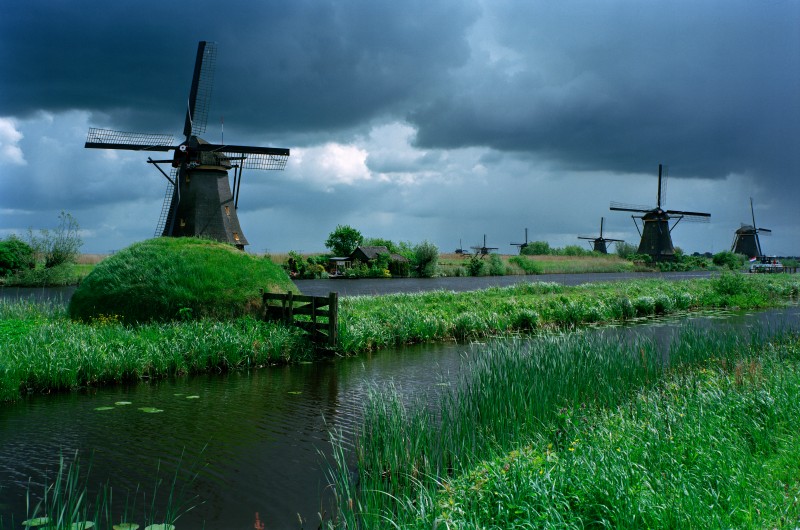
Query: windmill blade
x: 663, y: 174
x: 691, y: 217
x: 623, y: 207
x: 200, y: 91
x: 269, y: 158
x: 764, y: 231
x: 589, y: 238
x: 614, y: 240
x: 108, y: 139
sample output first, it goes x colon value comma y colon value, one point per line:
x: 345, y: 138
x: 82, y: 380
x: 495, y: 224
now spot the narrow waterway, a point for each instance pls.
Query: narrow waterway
x: 257, y: 439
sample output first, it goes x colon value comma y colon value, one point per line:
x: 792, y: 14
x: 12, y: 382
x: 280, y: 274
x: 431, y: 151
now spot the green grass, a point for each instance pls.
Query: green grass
x: 44, y: 350
x: 374, y: 322
x: 166, y: 278
x: 570, y: 432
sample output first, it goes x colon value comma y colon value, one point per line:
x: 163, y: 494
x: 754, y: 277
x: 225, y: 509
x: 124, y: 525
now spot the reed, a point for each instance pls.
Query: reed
x: 69, y: 501
x: 541, y: 402
x: 373, y: 322
x: 44, y: 350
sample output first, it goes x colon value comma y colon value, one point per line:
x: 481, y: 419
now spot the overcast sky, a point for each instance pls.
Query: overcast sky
x: 416, y: 120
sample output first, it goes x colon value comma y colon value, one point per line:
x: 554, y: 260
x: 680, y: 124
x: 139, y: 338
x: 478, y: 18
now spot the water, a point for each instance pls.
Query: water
x: 257, y: 439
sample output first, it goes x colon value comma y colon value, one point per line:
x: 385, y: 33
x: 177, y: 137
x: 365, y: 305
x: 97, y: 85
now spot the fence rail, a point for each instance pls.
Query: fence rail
x: 319, y: 315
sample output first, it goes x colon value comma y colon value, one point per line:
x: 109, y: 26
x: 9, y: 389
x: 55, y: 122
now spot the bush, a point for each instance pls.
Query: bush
x: 527, y: 265
x: 496, y: 265
x: 476, y: 266
x: 729, y: 260
x: 59, y: 246
x: 536, y: 248
x: 15, y: 256
x: 626, y: 250
x: 729, y: 284
x: 426, y: 259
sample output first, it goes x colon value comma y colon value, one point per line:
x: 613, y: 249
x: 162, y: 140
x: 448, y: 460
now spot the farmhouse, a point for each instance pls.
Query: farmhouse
x: 370, y: 256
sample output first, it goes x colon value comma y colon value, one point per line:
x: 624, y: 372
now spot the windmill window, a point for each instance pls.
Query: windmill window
x: 236, y: 236
x: 228, y: 211
x: 183, y: 223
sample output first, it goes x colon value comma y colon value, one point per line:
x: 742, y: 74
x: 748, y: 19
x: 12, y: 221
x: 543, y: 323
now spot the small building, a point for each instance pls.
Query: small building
x: 398, y: 265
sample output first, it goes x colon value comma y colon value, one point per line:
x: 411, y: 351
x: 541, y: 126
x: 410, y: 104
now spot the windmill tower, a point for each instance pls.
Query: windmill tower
x: 745, y: 240
x: 521, y: 245
x: 656, y: 233
x: 199, y: 200
x: 599, y: 243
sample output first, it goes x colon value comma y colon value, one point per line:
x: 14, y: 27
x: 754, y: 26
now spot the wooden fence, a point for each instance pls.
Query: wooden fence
x: 319, y: 315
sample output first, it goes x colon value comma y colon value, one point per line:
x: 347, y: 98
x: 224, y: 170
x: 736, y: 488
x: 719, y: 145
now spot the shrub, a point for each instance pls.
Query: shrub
x: 426, y: 259
x: 536, y: 248
x: 15, y: 256
x: 476, y: 266
x: 729, y: 283
x: 729, y: 259
x: 626, y: 250
x: 496, y: 265
x: 59, y: 246
x: 527, y: 265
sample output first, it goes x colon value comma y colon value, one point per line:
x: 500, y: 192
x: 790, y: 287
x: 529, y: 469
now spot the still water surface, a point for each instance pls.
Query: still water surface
x: 257, y: 438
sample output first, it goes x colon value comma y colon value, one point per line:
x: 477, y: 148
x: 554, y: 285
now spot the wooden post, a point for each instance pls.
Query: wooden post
x: 333, y: 319
x: 289, y: 314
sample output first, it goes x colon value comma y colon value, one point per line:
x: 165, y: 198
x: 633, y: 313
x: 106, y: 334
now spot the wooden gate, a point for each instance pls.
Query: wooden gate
x: 318, y: 315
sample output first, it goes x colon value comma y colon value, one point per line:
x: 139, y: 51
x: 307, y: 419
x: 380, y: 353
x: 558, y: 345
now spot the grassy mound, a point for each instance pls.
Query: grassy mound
x: 165, y: 279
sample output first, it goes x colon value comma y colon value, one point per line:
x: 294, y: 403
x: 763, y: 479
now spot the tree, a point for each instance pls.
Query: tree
x: 58, y: 246
x: 426, y: 259
x: 343, y: 240
x: 15, y: 255
x: 536, y: 248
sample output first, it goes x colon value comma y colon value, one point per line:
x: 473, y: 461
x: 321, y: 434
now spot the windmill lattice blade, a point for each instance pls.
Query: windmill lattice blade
x: 691, y: 217
x: 200, y: 92
x: 108, y: 139
x: 629, y: 207
x: 764, y: 231
x: 274, y: 158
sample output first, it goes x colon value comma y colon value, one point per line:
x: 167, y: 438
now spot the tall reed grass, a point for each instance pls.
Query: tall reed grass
x: 374, y: 322
x: 539, y: 402
x: 43, y: 350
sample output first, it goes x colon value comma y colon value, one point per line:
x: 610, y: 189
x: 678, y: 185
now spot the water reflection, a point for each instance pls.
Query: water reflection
x: 256, y: 436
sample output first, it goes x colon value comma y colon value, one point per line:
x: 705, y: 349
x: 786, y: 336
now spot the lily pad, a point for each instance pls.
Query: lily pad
x: 126, y: 526
x: 150, y: 410
x: 192, y: 397
x: 295, y: 392
x: 83, y: 525
x: 38, y: 521
x: 121, y: 403
x: 160, y: 526
x: 102, y: 408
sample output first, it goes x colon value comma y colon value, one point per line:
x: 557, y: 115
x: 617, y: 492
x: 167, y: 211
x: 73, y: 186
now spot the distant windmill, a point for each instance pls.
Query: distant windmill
x: 600, y: 242
x: 656, y: 233
x: 745, y: 240
x: 522, y: 245
x: 484, y: 249
x: 460, y: 249
x: 199, y: 200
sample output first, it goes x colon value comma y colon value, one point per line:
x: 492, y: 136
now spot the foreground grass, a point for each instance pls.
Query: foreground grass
x: 43, y: 350
x: 581, y: 432
x: 375, y: 322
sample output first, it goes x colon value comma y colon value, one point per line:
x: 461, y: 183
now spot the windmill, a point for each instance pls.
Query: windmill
x: 656, y: 233
x: 745, y: 240
x: 521, y: 245
x: 199, y: 200
x: 484, y: 250
x: 599, y: 243
x: 460, y: 249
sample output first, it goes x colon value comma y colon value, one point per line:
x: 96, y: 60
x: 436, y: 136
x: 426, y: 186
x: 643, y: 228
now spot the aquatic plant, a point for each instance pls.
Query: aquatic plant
x: 574, y: 430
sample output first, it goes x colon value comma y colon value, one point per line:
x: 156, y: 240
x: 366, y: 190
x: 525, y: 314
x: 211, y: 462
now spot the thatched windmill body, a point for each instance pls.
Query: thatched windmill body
x: 484, y: 250
x: 199, y: 200
x: 656, y: 233
x: 599, y: 244
x: 746, y: 241
x: 522, y: 246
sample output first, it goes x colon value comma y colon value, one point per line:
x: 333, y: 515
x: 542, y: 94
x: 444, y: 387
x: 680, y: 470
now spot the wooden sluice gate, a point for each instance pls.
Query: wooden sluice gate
x: 318, y: 315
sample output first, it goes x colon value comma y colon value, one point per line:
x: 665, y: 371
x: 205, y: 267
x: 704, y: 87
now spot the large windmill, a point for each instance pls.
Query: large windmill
x: 199, y: 200
x: 599, y: 243
x: 656, y: 233
x: 522, y: 245
x: 745, y: 240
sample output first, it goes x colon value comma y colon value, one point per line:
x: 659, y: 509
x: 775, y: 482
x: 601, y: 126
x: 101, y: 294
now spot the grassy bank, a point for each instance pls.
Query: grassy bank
x: 44, y: 350
x: 375, y: 322
x: 577, y: 432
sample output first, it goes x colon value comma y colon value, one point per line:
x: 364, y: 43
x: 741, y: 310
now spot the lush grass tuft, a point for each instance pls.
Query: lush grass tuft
x: 166, y: 279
